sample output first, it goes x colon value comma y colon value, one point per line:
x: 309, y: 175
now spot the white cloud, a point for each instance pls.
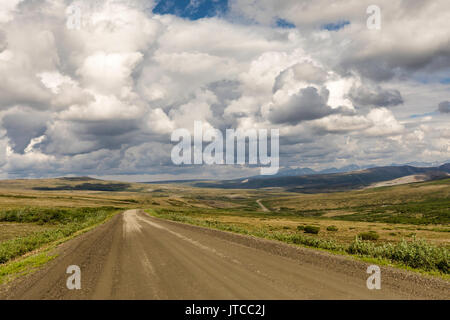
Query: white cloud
x: 384, y: 123
x: 104, y: 99
x: 109, y: 72
x: 7, y: 10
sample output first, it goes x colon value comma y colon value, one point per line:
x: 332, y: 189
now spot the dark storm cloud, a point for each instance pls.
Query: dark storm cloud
x: 375, y: 96
x: 367, y: 68
x: 22, y: 126
x: 383, y: 65
x: 225, y: 91
x: 21, y: 90
x: 444, y: 107
x: 307, y: 104
x: 91, y: 136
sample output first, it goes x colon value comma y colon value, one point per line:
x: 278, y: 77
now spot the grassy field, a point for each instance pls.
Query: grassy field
x: 410, y: 224
x: 11, y: 230
x: 31, y: 221
x: 63, y: 223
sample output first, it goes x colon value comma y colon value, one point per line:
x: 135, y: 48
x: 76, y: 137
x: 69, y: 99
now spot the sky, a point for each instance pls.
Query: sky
x: 96, y: 87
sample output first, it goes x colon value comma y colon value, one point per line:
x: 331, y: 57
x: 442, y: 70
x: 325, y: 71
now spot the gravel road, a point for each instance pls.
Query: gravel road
x: 135, y: 256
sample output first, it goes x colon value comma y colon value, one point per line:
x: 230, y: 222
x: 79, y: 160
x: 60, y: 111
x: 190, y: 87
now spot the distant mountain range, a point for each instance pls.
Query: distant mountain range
x: 285, y: 172
x: 308, y: 181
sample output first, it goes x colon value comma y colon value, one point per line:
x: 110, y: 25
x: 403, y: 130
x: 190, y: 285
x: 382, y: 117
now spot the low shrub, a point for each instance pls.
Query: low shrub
x: 416, y: 254
x: 332, y: 228
x: 300, y: 228
x: 312, y: 229
x: 371, y: 235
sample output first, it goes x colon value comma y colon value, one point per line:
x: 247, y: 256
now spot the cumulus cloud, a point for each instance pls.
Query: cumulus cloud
x: 108, y: 72
x: 7, y: 9
x: 104, y: 98
x: 384, y: 123
x: 378, y: 55
x: 300, y: 72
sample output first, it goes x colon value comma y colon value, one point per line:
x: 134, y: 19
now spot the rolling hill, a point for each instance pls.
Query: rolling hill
x: 331, y: 182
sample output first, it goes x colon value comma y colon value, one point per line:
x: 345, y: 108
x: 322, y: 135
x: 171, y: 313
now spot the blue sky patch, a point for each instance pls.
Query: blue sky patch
x: 414, y: 116
x: 432, y: 78
x: 191, y: 9
x: 335, y: 26
x: 281, y: 23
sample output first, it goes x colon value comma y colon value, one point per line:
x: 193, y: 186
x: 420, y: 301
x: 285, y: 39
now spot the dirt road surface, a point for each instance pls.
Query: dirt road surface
x: 135, y: 256
x: 263, y: 207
